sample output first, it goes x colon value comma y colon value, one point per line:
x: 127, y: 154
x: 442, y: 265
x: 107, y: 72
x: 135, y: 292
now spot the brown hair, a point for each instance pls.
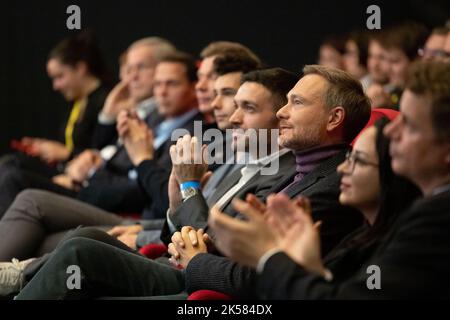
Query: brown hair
x: 184, y: 59
x: 219, y: 48
x: 408, y: 37
x: 441, y: 31
x: 336, y: 41
x: 432, y: 79
x: 347, y: 92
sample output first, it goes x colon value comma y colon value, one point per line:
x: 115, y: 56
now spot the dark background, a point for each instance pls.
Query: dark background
x: 284, y: 33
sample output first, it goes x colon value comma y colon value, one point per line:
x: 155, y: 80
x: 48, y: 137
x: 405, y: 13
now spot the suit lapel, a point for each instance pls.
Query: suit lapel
x: 285, y: 162
x: 224, y: 186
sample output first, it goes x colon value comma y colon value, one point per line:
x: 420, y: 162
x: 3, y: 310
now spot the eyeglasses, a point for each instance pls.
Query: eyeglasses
x: 435, y: 53
x: 140, y: 67
x: 352, y: 158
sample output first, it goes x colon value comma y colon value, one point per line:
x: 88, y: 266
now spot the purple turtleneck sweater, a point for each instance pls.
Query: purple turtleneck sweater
x: 307, y: 160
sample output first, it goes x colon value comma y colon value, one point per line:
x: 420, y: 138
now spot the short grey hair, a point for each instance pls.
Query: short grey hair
x: 162, y: 46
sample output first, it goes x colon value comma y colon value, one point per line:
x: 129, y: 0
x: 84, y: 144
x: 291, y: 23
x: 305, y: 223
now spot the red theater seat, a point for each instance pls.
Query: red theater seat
x: 377, y: 114
x: 153, y: 251
x: 208, y: 295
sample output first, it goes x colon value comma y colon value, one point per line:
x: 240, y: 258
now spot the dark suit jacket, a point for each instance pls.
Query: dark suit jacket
x: 153, y: 176
x: 414, y: 260
x: 149, y: 191
x: 105, y: 135
x: 84, y: 129
x: 194, y: 211
x: 321, y: 186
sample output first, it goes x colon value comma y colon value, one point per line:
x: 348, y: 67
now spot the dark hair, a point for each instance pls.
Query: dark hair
x: 441, y: 31
x: 186, y: 60
x: 235, y: 61
x: 347, y: 92
x: 81, y: 47
x: 396, y: 193
x: 432, y: 80
x: 408, y: 37
x: 361, y: 39
x: 277, y: 80
x: 337, y: 42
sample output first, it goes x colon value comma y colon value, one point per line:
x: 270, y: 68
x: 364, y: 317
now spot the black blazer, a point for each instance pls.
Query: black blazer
x: 150, y: 189
x: 105, y: 135
x: 414, y: 260
x: 194, y: 211
x: 153, y: 176
x: 321, y: 186
x: 84, y: 129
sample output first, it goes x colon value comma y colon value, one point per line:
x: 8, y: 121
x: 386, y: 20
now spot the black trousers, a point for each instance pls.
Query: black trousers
x: 19, y: 172
x: 107, y: 269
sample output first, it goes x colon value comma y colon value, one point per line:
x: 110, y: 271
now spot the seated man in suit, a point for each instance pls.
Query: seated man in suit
x: 330, y: 125
x: 251, y: 114
x: 413, y: 259
x: 136, y: 85
x: 116, y: 187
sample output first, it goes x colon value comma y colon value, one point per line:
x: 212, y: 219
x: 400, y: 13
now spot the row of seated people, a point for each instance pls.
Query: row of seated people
x: 355, y: 196
x: 380, y: 60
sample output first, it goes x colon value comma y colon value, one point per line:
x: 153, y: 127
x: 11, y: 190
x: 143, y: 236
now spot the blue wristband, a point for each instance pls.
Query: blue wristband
x: 190, y: 184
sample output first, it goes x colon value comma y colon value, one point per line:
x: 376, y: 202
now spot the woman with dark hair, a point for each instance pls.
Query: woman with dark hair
x: 376, y: 191
x: 78, y: 72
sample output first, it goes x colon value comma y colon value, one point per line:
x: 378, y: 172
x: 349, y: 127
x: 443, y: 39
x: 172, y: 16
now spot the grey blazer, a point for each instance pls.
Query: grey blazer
x: 194, y: 211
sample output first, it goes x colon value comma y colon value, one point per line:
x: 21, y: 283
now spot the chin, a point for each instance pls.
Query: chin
x: 345, y: 198
x: 205, y: 108
x: 68, y: 97
x: 397, y: 166
x: 342, y: 199
x: 282, y: 141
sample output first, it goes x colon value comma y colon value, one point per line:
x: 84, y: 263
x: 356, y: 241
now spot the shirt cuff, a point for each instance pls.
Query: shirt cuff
x: 171, y: 225
x: 266, y: 256
x: 106, y: 119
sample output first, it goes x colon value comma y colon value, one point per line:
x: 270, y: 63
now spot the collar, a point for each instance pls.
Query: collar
x: 264, y: 161
x: 441, y: 189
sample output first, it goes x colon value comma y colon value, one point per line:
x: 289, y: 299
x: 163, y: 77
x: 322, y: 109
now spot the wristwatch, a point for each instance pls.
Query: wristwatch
x: 189, y: 192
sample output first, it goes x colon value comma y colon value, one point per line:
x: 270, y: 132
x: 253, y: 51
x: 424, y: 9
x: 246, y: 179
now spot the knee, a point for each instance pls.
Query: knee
x: 6, y: 161
x: 10, y: 175
x: 76, y: 250
x: 28, y: 194
x: 29, y: 202
x: 73, y: 244
x: 92, y: 233
x: 74, y: 247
